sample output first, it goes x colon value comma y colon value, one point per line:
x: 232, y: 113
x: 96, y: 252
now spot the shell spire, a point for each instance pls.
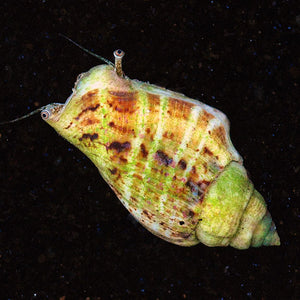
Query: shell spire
x: 234, y: 213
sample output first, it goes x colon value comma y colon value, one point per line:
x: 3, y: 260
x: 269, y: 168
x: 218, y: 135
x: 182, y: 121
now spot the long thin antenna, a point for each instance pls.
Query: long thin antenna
x: 87, y: 51
x: 23, y: 117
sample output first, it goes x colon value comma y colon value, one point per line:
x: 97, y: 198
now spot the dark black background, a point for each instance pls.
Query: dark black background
x: 62, y: 230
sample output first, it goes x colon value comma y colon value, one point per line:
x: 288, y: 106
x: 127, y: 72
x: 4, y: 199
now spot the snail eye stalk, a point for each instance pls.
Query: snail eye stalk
x: 45, y: 114
x: 119, y: 54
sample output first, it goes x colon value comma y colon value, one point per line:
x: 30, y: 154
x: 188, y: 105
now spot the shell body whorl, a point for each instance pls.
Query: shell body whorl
x: 168, y: 158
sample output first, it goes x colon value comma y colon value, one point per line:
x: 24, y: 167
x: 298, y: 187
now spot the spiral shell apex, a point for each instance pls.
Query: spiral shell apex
x: 234, y: 213
x: 168, y: 158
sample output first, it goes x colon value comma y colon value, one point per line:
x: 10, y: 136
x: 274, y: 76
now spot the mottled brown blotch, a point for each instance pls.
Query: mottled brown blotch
x: 184, y: 235
x: 89, y: 108
x: 206, y: 116
x: 148, y: 214
x: 182, y: 164
x: 154, y: 101
x: 191, y: 214
x: 89, y: 101
x: 89, y: 121
x: 194, y: 170
x: 71, y: 123
x: 180, y: 109
x: 220, y: 134
x: 168, y: 135
x: 113, y: 171
x: 196, y: 189
x: 119, y: 147
x: 138, y: 176
x: 207, y: 151
x: 121, y: 129
x: 144, y: 151
x: 122, y: 101
x: 162, y: 158
x: 92, y: 137
x: 89, y: 95
x: 123, y: 159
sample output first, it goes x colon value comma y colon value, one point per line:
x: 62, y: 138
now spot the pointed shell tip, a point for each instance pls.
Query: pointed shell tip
x: 275, y: 240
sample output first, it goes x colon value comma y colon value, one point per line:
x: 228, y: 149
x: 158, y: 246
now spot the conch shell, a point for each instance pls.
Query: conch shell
x: 168, y: 158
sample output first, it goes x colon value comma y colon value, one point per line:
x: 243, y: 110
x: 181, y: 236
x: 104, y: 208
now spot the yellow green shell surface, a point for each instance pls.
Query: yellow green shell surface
x: 168, y: 158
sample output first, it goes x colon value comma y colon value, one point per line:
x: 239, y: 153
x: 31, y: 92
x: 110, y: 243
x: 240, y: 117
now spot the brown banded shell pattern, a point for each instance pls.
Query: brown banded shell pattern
x: 158, y: 150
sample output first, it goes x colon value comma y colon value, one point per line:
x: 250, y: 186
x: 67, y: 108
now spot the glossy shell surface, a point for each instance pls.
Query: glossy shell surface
x: 159, y: 151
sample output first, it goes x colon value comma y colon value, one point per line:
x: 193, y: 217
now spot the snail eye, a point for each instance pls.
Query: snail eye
x: 119, y: 53
x: 45, y: 114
